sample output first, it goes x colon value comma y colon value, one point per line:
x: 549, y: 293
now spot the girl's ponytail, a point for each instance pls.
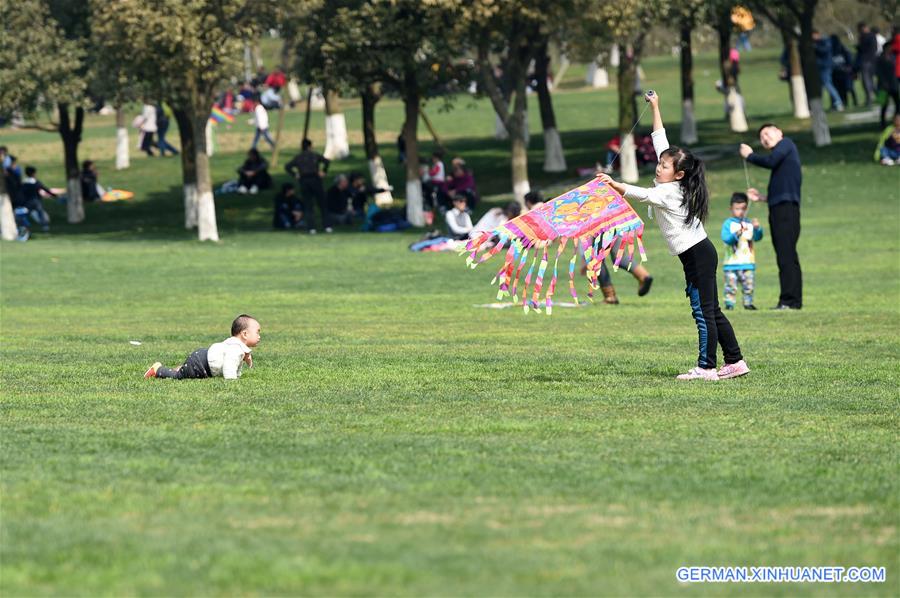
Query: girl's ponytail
x: 695, y: 195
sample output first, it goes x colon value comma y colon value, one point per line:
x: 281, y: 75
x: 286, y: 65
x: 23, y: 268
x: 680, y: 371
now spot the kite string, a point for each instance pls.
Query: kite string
x: 622, y: 140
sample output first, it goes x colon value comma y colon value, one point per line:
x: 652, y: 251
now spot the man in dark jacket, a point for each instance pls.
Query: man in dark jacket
x: 309, y: 167
x: 784, y: 208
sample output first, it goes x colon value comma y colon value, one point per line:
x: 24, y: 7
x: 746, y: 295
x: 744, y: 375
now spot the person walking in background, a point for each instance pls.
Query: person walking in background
x: 261, y: 118
x: 825, y: 64
x: 842, y: 74
x: 148, y: 128
x: 309, y: 168
x: 163, y: 119
x: 888, y: 85
x: 784, y: 207
x: 866, y: 54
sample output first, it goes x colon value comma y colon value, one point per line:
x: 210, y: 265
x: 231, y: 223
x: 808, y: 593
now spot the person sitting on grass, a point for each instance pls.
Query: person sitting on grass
x: 888, y: 149
x: 253, y: 175
x: 288, y: 209
x: 739, y: 234
x: 360, y: 192
x: 338, y: 200
x: 90, y: 185
x: 533, y: 199
x: 495, y: 217
x: 462, y: 182
x: 458, y: 220
x: 31, y: 196
x: 223, y: 359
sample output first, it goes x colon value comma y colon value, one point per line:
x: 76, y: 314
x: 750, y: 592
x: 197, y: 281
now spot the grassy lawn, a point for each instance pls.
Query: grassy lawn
x: 394, y: 439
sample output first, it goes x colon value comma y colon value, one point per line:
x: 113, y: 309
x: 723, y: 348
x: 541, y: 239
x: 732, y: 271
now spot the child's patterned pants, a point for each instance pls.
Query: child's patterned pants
x: 732, y: 277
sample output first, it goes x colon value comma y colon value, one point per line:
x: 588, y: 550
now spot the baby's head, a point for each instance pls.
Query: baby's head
x: 30, y: 171
x: 739, y: 203
x: 246, y: 328
x: 459, y: 202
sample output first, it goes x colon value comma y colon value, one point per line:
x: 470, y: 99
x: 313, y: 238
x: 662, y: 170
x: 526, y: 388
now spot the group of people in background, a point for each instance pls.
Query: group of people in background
x: 875, y: 64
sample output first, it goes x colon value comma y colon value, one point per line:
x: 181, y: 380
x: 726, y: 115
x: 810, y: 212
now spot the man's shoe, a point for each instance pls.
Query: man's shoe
x: 151, y: 372
x: 783, y: 307
x: 699, y: 373
x: 645, y: 285
x: 733, y: 370
x: 750, y: 307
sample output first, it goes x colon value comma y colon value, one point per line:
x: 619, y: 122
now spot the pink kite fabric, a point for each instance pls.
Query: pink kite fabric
x: 591, y: 217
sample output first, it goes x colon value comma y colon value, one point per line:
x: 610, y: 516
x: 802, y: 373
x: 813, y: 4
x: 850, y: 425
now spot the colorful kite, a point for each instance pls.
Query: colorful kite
x: 218, y: 115
x: 592, y: 217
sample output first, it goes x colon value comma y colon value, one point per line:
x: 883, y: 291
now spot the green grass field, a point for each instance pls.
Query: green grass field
x: 394, y: 439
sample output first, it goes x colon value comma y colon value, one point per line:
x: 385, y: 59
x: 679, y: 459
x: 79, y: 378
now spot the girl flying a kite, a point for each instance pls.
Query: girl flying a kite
x: 679, y: 202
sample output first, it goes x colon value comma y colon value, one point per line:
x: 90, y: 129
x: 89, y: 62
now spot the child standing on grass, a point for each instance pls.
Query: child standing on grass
x: 223, y: 359
x: 739, y: 234
x: 679, y: 201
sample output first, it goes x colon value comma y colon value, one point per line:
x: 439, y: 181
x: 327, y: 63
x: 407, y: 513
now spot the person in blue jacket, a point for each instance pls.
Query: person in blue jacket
x: 739, y: 266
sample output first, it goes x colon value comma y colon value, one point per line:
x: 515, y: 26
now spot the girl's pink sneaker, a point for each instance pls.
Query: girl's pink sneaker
x: 733, y: 370
x: 699, y: 374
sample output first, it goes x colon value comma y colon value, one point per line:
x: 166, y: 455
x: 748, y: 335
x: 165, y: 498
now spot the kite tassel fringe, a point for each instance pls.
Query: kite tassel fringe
x: 592, y: 248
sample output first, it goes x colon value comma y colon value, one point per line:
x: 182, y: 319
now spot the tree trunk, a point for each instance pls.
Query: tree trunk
x: 207, y: 229
x: 820, y: 130
x: 500, y: 132
x: 414, y: 209
x: 597, y: 75
x: 336, y: 145
x: 370, y: 96
x: 431, y: 130
x: 734, y: 102
x: 8, y: 229
x: 798, y: 85
x: 188, y: 166
x: 627, y: 72
x: 688, y: 122
x: 279, y: 128
x: 71, y: 137
x: 122, y: 158
x: 554, y: 158
x: 209, y: 138
x: 519, y: 142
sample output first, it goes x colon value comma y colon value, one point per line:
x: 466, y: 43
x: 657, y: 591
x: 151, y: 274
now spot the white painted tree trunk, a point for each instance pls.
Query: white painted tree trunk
x: 820, y: 130
x: 521, y: 186
x: 414, y: 212
x: 190, y: 205
x: 8, y: 230
x: 380, y: 180
x: 614, y: 56
x: 597, y: 76
x: 206, y: 217
x: 628, y: 166
x: 554, y: 158
x: 74, y: 201
x: 122, y: 157
x: 688, y: 123
x: 208, y: 131
x: 317, y: 101
x: 337, y: 146
x: 293, y: 91
x: 736, y: 117
x: 798, y: 90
